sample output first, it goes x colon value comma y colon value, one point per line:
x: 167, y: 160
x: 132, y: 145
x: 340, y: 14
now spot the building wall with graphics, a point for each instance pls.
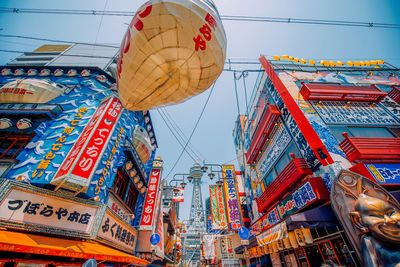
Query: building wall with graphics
x: 327, y: 119
x: 79, y: 93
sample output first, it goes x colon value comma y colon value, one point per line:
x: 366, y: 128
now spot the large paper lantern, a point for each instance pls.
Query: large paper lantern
x: 171, y: 51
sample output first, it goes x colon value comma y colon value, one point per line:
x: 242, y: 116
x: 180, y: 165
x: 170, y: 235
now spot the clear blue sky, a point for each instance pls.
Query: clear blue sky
x: 246, y: 40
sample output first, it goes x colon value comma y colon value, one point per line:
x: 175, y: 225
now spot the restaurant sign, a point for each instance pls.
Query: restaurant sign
x: 117, y: 233
x: 233, y: 210
x: 388, y: 174
x: 146, y: 222
x: 311, y: 191
x: 218, y: 212
x: 78, y: 167
x: 21, y: 208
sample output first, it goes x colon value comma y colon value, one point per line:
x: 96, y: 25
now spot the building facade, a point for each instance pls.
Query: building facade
x: 305, y: 125
x: 75, y: 165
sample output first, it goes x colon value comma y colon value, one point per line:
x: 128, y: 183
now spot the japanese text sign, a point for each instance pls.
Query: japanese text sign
x: 117, y: 232
x: 178, y: 194
x: 151, y: 197
x: 231, y: 197
x: 35, y: 209
x: 82, y: 160
x: 218, y: 212
x: 385, y: 173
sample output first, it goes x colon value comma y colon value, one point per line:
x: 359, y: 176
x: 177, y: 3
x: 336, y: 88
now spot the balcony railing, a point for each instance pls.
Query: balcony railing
x: 341, y: 92
x: 395, y: 94
x: 371, y: 149
x: 267, y: 122
x: 296, y: 169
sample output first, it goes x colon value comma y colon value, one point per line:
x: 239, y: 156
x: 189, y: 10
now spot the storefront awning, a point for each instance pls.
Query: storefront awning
x: 314, y: 218
x: 35, y: 244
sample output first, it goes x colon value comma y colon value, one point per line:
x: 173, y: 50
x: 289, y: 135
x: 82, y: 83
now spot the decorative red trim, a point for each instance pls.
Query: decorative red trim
x: 304, y: 125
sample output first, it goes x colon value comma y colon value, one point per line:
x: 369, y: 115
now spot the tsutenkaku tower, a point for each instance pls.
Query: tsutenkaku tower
x: 197, y: 216
x: 197, y: 226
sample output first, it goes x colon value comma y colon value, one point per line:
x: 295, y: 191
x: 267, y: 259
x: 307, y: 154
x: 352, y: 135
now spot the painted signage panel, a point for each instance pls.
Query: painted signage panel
x: 218, y: 211
x: 160, y: 230
x: 37, y: 210
x: 116, y: 232
x: 310, y: 191
x: 80, y: 164
x: 94, y: 148
x: 119, y: 209
x: 78, y: 146
x: 178, y: 194
x: 151, y: 197
x: 384, y: 173
x: 233, y: 210
x: 356, y: 113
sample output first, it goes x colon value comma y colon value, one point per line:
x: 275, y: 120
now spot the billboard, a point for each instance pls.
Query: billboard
x: 233, y: 210
x: 218, y: 211
x: 151, y: 198
x: 178, y: 194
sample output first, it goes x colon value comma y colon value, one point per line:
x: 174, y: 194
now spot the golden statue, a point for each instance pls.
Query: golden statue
x: 370, y: 217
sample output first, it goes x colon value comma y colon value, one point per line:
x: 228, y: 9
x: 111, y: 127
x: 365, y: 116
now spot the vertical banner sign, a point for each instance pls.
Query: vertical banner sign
x: 233, y: 209
x: 218, y: 213
x: 146, y: 222
x: 81, y: 162
x: 178, y: 194
x: 160, y: 228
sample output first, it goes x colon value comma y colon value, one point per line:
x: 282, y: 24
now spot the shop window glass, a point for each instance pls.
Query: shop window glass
x: 10, y: 146
x: 337, y: 132
x: 328, y: 253
x: 281, y: 164
x: 370, y: 132
x: 269, y: 178
x: 343, y: 252
x: 293, y: 149
x: 132, y: 197
x: 301, y: 257
x: 314, y: 256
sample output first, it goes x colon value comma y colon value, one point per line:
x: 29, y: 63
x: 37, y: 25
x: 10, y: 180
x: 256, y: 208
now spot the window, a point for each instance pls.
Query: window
x: 120, y: 185
x: 281, y: 164
x: 360, y: 132
x: 132, y: 196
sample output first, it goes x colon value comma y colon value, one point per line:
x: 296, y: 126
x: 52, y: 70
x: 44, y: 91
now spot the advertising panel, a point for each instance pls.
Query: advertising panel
x: 146, y: 222
x: 388, y: 174
x: 233, y: 210
x: 117, y: 233
x: 178, y: 194
x: 37, y: 211
x: 312, y: 190
x: 160, y: 229
x: 218, y: 211
x: 78, y: 168
x: 208, y: 247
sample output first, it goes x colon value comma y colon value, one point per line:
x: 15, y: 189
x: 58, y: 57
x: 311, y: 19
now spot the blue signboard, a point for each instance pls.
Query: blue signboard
x: 385, y: 173
x: 155, y: 239
x: 244, y: 233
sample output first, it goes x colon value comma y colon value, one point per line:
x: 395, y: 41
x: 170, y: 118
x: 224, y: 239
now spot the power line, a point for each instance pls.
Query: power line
x: 194, y: 129
x: 224, y: 17
x: 182, y: 134
x: 162, y: 117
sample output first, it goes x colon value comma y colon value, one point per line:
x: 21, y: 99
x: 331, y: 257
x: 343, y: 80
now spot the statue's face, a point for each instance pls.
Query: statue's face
x: 380, y: 217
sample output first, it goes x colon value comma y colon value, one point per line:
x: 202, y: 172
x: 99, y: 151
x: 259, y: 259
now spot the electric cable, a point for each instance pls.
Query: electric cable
x: 223, y: 17
x: 183, y: 135
x: 194, y: 129
x: 158, y: 110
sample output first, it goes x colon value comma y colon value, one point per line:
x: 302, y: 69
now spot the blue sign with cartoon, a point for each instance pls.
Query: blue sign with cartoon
x: 385, y: 173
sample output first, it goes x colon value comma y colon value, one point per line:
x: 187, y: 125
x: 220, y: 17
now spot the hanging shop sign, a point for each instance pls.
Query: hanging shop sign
x: 218, y: 211
x: 178, y: 194
x: 387, y: 174
x: 117, y: 233
x: 209, y: 247
x: 226, y: 248
x: 273, y: 234
x: 24, y: 209
x: 146, y: 222
x: 159, y: 248
x: 233, y: 210
x: 312, y: 190
x: 78, y: 167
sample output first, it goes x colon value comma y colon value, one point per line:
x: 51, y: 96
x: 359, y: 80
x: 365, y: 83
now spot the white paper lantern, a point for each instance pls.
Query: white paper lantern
x: 171, y: 51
